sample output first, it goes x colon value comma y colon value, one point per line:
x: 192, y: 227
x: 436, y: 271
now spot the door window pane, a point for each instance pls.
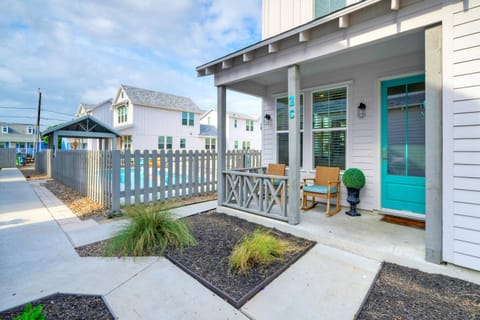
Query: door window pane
x: 396, y: 123
x: 416, y: 130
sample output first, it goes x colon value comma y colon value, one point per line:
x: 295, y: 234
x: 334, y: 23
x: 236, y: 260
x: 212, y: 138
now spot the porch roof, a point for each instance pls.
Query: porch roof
x: 272, y: 44
x: 86, y: 127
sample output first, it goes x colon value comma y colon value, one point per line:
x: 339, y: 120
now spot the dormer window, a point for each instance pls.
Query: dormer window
x: 4, y: 129
x: 29, y: 130
x: 122, y: 112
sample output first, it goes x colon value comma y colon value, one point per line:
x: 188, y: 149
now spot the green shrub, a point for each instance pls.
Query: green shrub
x: 151, y: 230
x: 260, y: 247
x: 353, y: 178
x: 30, y: 313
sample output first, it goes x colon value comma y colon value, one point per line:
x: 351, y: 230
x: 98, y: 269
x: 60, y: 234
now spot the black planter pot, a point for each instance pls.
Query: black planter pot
x: 353, y: 198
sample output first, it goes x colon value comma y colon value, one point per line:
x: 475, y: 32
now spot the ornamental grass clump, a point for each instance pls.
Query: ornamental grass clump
x: 150, y: 232
x: 260, y: 247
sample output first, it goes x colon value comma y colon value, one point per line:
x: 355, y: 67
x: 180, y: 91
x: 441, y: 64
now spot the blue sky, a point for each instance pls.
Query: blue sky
x: 81, y: 51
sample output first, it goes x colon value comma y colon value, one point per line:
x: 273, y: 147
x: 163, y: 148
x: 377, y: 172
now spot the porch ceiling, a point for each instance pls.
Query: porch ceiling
x: 387, y: 49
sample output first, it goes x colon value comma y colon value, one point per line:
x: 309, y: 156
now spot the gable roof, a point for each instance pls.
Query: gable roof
x: 87, y: 108
x: 86, y: 124
x: 17, y: 132
x: 208, y: 130
x: 157, y: 99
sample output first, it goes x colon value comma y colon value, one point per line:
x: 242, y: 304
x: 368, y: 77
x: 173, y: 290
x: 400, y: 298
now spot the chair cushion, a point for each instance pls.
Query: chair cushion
x: 319, y: 189
x: 276, y: 182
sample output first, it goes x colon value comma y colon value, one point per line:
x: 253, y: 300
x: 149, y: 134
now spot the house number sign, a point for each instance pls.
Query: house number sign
x: 291, y: 103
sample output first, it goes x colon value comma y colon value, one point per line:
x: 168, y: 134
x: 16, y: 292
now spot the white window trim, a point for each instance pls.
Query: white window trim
x: 4, y: 129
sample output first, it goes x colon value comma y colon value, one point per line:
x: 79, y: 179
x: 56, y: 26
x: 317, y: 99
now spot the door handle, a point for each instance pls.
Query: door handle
x: 384, y: 153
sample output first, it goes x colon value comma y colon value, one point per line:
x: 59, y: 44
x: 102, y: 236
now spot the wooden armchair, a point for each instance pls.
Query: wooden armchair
x: 275, y: 169
x: 326, y: 185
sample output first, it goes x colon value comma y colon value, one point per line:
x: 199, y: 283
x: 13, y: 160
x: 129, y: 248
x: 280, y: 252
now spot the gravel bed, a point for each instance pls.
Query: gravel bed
x: 96, y: 249
x: 83, y: 207
x: 404, y: 293
x: 66, y: 306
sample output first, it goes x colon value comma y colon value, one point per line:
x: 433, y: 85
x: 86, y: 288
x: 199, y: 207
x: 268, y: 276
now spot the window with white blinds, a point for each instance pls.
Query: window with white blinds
x: 282, y: 130
x: 329, y: 127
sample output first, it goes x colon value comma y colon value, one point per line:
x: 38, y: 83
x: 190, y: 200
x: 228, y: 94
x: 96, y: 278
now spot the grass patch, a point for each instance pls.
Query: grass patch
x: 260, y: 247
x: 151, y: 230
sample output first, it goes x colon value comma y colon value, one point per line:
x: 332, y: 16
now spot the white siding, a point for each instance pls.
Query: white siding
x: 462, y: 134
x: 282, y: 15
x: 150, y: 123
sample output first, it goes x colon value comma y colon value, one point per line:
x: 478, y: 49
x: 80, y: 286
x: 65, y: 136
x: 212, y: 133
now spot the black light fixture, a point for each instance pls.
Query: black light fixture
x: 362, y: 110
x: 267, y: 117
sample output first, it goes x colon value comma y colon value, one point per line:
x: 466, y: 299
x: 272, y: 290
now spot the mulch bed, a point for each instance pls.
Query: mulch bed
x: 66, y: 306
x: 405, y: 293
x: 208, y: 261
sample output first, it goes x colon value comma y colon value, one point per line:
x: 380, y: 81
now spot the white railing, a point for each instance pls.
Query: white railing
x: 254, y: 191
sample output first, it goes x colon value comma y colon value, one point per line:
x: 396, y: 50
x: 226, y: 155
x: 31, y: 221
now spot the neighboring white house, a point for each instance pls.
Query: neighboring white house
x: 149, y: 120
x: 243, y: 130
x: 388, y: 86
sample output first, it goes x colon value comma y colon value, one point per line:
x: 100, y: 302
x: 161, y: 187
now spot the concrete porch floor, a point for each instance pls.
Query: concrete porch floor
x: 365, y: 236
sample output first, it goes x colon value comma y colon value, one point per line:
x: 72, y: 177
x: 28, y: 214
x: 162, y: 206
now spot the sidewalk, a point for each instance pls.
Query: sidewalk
x: 37, y: 257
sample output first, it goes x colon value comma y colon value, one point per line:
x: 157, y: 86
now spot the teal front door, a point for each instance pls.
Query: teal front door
x: 403, y: 144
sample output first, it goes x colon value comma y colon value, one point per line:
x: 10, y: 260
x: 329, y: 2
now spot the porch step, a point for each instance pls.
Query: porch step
x: 404, y: 221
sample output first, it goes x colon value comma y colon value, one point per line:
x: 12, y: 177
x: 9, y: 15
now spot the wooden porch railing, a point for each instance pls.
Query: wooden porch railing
x: 254, y: 191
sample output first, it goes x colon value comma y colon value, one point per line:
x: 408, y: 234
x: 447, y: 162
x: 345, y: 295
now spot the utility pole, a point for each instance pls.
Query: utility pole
x: 37, y: 132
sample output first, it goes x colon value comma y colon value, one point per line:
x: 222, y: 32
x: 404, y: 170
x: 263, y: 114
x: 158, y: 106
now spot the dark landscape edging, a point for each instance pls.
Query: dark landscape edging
x: 21, y: 306
x: 240, y: 302
x: 370, y: 289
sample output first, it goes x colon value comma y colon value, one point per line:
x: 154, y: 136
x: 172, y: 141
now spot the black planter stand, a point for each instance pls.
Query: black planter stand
x: 353, y: 198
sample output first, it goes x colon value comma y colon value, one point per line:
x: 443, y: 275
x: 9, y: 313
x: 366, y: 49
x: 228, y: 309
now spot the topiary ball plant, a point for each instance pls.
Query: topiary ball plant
x: 353, y: 178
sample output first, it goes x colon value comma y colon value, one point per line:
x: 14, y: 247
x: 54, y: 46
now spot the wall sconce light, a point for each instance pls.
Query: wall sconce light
x: 267, y: 117
x: 362, y: 110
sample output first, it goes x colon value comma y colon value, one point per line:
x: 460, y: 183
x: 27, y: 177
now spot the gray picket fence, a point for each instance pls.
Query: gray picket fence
x: 7, y: 158
x: 114, y: 178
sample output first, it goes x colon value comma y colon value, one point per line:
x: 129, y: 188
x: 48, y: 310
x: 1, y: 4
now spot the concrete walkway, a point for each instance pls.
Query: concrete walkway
x: 37, y: 257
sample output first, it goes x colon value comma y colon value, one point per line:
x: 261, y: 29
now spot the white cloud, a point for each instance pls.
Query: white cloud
x: 81, y: 51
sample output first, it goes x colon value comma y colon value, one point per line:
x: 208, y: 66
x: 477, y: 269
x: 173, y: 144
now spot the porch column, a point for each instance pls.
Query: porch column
x: 221, y: 141
x: 433, y: 143
x: 293, y: 209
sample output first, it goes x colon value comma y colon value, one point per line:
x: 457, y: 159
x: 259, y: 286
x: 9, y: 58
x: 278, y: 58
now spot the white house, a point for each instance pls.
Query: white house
x: 149, y: 120
x: 388, y: 86
x: 243, y: 130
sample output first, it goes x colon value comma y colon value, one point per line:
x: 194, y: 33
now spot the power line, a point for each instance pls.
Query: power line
x: 22, y: 108
x: 33, y: 117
